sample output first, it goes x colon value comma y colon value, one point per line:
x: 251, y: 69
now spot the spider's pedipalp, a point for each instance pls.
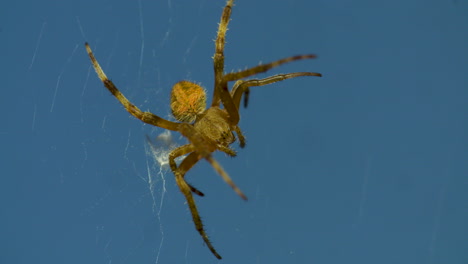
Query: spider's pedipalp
x: 240, y: 136
x: 227, y: 150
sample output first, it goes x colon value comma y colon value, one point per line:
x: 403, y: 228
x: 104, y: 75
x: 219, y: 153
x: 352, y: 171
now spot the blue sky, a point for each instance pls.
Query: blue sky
x: 368, y: 164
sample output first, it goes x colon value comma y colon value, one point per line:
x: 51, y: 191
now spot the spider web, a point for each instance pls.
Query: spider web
x: 157, y: 165
x: 147, y: 77
x: 149, y: 74
x: 367, y: 154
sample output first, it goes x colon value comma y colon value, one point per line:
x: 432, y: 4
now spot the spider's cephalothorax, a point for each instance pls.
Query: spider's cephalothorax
x: 207, y: 130
x: 188, y: 104
x: 214, y: 123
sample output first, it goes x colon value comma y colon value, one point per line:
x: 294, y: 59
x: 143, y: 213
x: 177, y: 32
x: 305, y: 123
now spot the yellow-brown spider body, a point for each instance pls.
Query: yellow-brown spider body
x: 214, y: 124
x: 188, y: 100
x: 207, y: 130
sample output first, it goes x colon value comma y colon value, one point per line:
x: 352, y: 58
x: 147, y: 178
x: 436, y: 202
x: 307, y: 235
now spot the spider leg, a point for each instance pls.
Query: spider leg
x: 146, y: 117
x: 195, y: 190
x: 218, y: 57
x: 242, y: 87
x: 187, y: 163
x: 246, y: 96
x: 187, y: 192
x: 265, y: 67
x: 231, y: 105
x: 204, y: 149
x: 225, y: 176
x: 240, y: 136
x: 221, y: 91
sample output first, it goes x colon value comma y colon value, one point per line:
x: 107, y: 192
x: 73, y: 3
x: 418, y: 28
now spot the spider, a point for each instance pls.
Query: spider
x: 207, y: 129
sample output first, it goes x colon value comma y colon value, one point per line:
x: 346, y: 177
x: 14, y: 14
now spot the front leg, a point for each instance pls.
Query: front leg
x: 186, y: 164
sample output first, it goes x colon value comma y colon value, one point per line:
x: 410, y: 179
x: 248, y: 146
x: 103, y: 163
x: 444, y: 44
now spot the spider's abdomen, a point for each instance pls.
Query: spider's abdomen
x: 188, y: 100
x: 214, y: 124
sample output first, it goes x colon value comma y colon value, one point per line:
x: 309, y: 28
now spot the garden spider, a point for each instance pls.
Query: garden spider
x: 207, y: 130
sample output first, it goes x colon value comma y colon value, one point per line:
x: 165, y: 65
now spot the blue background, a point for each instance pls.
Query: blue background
x: 368, y: 164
